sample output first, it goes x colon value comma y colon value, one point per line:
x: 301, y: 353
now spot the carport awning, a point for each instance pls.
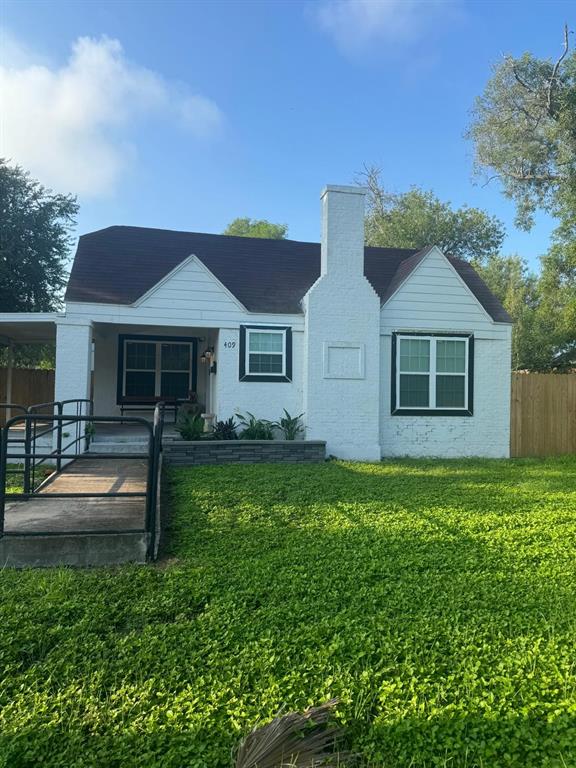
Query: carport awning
x: 28, y: 327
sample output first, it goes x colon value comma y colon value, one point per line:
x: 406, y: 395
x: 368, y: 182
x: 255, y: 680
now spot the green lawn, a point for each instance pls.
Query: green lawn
x: 437, y: 599
x: 15, y: 477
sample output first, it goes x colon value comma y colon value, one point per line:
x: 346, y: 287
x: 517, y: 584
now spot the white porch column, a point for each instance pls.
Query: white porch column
x: 73, y: 361
x: 225, y: 381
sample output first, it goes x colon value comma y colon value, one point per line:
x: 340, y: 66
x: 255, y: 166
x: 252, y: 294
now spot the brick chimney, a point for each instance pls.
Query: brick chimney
x: 343, y: 231
x: 342, y: 336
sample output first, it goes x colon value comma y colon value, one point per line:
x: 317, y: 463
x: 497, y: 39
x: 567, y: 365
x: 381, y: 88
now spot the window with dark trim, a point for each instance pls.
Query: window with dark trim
x: 155, y: 368
x: 265, y: 353
x: 432, y: 374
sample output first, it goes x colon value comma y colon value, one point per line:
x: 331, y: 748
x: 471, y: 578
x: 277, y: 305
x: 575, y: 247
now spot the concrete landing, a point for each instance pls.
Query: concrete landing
x: 87, y: 528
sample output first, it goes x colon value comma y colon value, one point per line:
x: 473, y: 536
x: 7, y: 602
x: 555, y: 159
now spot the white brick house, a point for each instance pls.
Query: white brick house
x: 387, y: 352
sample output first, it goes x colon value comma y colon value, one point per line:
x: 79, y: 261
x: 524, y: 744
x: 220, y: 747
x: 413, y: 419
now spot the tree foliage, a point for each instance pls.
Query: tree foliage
x: 418, y: 218
x: 35, y: 240
x: 30, y: 356
x: 246, y: 227
x: 558, y: 289
x: 524, y: 132
x: 518, y: 289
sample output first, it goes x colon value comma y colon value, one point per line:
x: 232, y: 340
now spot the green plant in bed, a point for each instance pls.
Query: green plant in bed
x: 255, y: 429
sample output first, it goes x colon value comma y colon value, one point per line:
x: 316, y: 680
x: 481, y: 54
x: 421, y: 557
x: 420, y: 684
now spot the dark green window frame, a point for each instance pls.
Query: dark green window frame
x: 397, y: 410
x: 244, y: 371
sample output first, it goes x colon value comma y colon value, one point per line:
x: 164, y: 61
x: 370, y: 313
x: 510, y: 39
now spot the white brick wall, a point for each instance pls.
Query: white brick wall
x: 486, y: 433
x: 264, y: 399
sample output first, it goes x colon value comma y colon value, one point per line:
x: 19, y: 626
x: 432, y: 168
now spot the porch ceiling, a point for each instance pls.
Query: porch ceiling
x: 28, y: 328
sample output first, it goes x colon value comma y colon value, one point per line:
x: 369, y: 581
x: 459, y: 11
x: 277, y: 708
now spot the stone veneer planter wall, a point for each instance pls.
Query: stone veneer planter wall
x: 197, y: 452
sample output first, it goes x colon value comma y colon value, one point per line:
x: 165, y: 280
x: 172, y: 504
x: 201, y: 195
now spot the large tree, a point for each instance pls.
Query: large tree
x: 524, y: 133
x: 245, y: 227
x: 35, y: 240
x: 418, y: 218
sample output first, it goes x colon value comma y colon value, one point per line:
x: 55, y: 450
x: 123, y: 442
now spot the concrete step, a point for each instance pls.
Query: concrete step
x: 121, y: 438
x: 117, y: 447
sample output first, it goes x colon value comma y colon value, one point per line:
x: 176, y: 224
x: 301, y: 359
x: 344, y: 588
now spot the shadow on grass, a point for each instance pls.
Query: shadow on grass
x: 466, y: 565
x: 436, y: 599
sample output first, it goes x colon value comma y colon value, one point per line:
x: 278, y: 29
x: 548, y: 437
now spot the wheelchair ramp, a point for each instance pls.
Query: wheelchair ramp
x: 98, y: 508
x: 89, y: 531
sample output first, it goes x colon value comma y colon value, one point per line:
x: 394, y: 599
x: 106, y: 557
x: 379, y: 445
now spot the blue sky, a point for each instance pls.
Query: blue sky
x: 187, y: 114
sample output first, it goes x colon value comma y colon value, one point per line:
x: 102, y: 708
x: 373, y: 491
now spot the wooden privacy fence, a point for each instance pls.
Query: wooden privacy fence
x: 29, y: 386
x: 543, y: 414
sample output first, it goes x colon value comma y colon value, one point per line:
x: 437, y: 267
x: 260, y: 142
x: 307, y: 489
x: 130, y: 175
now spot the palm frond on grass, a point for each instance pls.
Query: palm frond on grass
x: 294, y: 740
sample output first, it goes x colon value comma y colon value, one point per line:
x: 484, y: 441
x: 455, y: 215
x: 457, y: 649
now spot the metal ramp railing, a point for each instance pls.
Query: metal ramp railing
x: 68, y: 427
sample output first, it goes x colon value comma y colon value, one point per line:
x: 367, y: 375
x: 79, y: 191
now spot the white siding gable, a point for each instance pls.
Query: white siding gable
x: 434, y: 297
x: 190, y: 287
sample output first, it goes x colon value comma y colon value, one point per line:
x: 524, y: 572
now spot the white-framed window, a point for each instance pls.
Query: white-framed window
x: 265, y: 353
x: 157, y: 368
x: 432, y: 374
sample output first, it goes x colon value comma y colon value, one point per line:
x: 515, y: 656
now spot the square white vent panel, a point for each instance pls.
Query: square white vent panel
x: 343, y: 360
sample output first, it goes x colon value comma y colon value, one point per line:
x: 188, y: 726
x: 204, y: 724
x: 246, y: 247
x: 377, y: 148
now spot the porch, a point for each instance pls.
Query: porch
x: 134, y: 367
x: 124, y: 369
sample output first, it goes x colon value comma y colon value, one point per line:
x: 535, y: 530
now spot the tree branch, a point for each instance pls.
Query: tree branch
x: 519, y: 79
x: 534, y: 176
x: 495, y: 176
x: 555, y: 70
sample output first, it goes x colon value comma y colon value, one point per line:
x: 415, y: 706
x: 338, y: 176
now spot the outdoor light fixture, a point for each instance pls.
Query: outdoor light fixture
x: 208, y: 357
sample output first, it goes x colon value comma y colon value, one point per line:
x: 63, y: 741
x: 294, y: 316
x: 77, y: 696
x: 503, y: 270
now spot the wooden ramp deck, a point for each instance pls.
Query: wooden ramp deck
x: 85, y: 475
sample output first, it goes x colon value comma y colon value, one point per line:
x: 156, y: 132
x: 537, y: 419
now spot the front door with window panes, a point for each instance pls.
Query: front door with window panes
x: 157, y: 369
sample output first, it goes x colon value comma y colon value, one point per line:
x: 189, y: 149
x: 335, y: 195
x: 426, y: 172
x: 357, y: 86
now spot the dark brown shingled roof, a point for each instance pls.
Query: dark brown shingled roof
x: 118, y: 265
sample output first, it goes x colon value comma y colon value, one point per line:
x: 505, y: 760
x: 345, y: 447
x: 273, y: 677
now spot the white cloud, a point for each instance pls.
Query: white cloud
x: 71, y: 126
x: 359, y: 25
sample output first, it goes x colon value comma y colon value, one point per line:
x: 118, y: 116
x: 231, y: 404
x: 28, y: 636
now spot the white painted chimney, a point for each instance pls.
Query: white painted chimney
x: 342, y: 336
x: 343, y: 231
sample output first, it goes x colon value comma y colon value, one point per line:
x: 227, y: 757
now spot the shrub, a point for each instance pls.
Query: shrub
x: 190, y: 426
x: 255, y: 429
x: 225, y: 430
x: 290, y: 426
